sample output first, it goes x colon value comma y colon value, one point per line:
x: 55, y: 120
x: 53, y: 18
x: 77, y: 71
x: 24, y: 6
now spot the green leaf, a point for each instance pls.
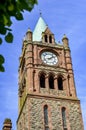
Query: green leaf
x: 26, y: 4
x: 1, y: 62
x: 11, y: 7
x: 9, y: 23
x: 5, y: 20
x: 0, y: 41
x: 19, y: 16
x: 9, y: 37
x: 2, y: 68
x: 2, y: 30
x: 1, y: 59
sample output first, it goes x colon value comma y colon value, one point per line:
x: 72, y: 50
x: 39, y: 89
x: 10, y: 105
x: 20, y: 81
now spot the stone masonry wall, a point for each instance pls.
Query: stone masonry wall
x: 73, y: 114
x: 34, y: 116
x: 23, y: 119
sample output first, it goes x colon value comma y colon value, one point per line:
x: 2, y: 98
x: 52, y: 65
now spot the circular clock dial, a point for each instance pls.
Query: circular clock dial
x: 49, y: 58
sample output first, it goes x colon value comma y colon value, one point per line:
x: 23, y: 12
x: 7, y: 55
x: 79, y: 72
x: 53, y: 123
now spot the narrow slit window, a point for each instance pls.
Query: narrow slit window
x: 46, y: 117
x: 42, y: 81
x: 45, y: 38
x: 51, y: 82
x: 60, y: 83
x: 64, y: 118
x: 50, y: 39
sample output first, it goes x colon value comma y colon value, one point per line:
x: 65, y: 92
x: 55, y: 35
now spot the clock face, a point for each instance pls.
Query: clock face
x: 49, y: 58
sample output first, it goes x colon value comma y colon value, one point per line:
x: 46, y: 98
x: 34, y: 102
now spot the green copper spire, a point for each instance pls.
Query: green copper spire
x: 39, y: 28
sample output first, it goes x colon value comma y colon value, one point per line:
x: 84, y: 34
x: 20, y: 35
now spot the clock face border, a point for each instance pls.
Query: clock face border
x: 49, y: 58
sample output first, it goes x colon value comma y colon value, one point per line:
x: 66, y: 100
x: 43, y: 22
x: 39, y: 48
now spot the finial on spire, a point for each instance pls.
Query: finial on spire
x: 29, y: 35
x: 40, y: 13
x: 65, y: 41
x: 29, y: 30
x: 65, y: 36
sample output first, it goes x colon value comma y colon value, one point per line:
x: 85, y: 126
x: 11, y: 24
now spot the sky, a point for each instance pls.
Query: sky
x: 63, y: 17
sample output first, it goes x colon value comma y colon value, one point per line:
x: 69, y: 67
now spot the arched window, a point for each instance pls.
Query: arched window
x: 46, y: 117
x: 51, y: 82
x: 64, y: 118
x: 45, y: 38
x: 60, y: 83
x: 42, y: 81
x: 50, y: 39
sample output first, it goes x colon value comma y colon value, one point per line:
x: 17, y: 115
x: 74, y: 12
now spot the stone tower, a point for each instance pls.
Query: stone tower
x: 47, y: 93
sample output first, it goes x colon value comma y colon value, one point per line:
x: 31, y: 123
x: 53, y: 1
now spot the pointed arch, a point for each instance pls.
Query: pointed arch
x: 46, y: 122
x: 51, y: 81
x: 46, y: 40
x: 60, y: 82
x: 46, y: 115
x: 42, y: 80
x: 50, y: 39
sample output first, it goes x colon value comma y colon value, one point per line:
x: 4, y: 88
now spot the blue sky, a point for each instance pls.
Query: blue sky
x: 63, y: 17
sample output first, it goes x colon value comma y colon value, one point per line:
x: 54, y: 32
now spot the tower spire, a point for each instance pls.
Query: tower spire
x: 39, y: 28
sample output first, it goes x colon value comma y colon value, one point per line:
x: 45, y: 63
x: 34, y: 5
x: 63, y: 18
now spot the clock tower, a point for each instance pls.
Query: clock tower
x: 47, y: 93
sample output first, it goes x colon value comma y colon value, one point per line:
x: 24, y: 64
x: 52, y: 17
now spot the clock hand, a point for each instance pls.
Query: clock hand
x: 49, y: 58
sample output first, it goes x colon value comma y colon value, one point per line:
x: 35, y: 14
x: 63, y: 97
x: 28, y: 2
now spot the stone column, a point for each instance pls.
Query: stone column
x: 69, y: 66
x: 35, y: 55
x: 47, y: 83
x: 72, y: 86
x: 29, y: 80
x: 66, y: 86
x: 36, y: 81
x: 55, y: 82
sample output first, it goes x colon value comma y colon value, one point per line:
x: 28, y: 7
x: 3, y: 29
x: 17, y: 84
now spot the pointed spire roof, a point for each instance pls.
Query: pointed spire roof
x: 39, y: 28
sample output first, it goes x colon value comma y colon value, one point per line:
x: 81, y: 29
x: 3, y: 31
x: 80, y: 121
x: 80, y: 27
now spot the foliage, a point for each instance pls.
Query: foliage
x: 8, y: 9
